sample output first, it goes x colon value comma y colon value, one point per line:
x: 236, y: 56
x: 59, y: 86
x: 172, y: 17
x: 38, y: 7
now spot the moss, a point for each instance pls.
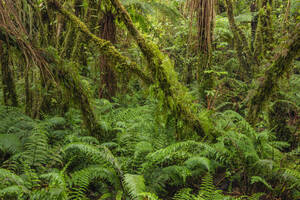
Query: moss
x: 258, y: 41
x: 272, y: 75
x: 266, y: 22
x: 9, y: 88
x: 175, y: 95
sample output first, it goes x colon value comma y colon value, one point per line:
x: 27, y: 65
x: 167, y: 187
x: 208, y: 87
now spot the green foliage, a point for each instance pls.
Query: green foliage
x: 142, y: 143
x: 135, y: 185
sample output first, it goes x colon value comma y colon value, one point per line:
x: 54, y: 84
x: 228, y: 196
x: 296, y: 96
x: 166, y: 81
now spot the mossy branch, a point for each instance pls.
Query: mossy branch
x: 272, y: 75
x: 120, y: 62
x: 175, y: 94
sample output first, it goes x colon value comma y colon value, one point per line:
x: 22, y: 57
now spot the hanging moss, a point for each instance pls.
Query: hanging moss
x: 9, y: 88
x: 272, y: 75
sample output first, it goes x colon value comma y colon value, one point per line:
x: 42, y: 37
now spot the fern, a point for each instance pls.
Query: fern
x: 7, y: 176
x: 148, y: 196
x: 197, y: 161
x: 10, y: 144
x: 184, y: 194
x: 257, y: 179
x: 13, y: 192
x: 11, y: 186
x: 82, y: 154
x: 135, y: 185
x: 83, y: 178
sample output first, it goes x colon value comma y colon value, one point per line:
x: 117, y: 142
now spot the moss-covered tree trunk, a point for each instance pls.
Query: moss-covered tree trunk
x: 205, y: 21
x: 28, y: 93
x: 175, y: 95
x: 108, y: 85
x: 246, y: 60
x: 8, y: 84
x: 272, y: 75
x: 264, y: 37
x: 254, y: 21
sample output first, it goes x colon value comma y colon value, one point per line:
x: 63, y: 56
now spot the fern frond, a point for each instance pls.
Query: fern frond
x: 163, y: 154
x: 258, y: 179
x: 198, y: 161
x: 148, y: 196
x: 10, y: 143
x: 7, y: 176
x: 177, y: 175
x: 135, y: 185
x: 184, y: 194
x: 207, y: 188
x: 13, y: 192
x: 82, y: 153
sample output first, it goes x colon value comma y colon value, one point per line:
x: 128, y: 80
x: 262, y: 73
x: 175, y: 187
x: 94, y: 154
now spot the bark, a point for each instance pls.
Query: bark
x: 8, y: 84
x: 272, y: 75
x: 254, y: 21
x: 205, y: 22
x: 108, y: 86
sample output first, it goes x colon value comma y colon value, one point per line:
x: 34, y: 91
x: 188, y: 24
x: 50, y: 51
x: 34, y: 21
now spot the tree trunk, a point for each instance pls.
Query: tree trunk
x: 108, y: 86
x: 28, y: 93
x: 266, y: 23
x: 246, y: 60
x: 254, y: 21
x: 9, y: 88
x: 271, y: 78
x: 205, y: 10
